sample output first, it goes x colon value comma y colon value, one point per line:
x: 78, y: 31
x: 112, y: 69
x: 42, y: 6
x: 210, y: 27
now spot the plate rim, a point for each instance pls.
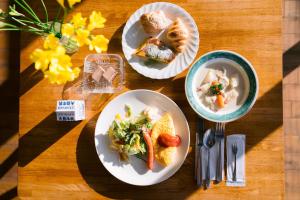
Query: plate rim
x: 170, y: 75
x: 185, y: 122
x: 256, y: 83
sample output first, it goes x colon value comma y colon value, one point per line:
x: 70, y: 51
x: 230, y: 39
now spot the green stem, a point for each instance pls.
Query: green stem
x: 10, y: 25
x: 63, y: 19
x: 55, y: 20
x: 28, y: 11
x: 26, y: 25
x: 20, y: 29
x: 42, y: 25
x: 20, y: 22
x: 9, y: 29
x: 46, y: 12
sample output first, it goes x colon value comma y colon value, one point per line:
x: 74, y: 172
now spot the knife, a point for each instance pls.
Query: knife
x: 199, y: 143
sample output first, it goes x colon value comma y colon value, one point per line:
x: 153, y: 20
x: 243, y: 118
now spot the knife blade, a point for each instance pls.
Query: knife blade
x: 200, y: 128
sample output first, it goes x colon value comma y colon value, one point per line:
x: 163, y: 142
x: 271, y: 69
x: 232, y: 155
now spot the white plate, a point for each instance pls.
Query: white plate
x: 134, y: 35
x: 135, y: 172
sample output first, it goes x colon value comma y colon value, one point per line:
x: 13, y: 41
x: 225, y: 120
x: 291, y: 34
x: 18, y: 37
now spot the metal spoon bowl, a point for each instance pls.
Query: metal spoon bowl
x: 208, y: 142
x: 209, y: 138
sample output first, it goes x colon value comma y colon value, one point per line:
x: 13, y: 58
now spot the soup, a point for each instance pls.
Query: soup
x: 221, y: 88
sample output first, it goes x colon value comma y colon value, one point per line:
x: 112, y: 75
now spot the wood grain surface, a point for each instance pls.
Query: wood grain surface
x: 57, y: 160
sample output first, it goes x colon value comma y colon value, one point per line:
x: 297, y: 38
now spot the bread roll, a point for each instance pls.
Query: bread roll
x: 154, y: 22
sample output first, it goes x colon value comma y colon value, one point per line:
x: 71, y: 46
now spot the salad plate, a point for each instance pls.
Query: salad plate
x: 134, y: 35
x: 134, y: 171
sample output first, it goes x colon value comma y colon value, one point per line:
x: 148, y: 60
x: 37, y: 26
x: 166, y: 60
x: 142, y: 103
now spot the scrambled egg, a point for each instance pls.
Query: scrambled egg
x: 164, y: 155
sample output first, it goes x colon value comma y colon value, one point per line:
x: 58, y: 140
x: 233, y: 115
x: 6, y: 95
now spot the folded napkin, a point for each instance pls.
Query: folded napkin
x: 214, y: 153
x: 239, y: 139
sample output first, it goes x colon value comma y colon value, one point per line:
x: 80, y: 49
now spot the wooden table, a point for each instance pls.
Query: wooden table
x: 58, y: 160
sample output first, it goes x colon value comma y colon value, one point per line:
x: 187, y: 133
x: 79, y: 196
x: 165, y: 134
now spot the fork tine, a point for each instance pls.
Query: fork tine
x: 218, y: 127
x: 223, y: 128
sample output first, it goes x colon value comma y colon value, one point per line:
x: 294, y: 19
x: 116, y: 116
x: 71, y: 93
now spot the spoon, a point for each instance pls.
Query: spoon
x: 208, y: 141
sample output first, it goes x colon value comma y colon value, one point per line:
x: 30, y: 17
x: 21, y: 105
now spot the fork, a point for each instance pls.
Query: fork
x: 219, y: 134
x: 234, y: 149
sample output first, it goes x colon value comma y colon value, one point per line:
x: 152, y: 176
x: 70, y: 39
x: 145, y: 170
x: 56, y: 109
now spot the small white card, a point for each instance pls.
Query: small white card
x: 70, y: 110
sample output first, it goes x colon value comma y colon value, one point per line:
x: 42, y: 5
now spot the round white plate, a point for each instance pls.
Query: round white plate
x: 134, y: 35
x: 135, y: 171
x: 231, y: 60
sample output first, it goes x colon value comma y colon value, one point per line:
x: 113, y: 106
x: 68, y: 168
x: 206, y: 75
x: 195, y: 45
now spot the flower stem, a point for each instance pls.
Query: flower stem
x: 46, y: 12
x: 28, y: 11
x: 24, y: 24
x: 37, y: 18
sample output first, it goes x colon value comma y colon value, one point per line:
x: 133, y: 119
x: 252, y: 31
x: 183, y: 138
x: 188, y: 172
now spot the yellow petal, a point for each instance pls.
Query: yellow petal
x: 72, y: 2
x: 67, y: 29
x: 41, y: 59
x: 99, y: 43
x: 96, y: 20
x: 51, y: 42
x: 82, y: 37
x: 60, y: 50
x: 61, y: 2
x: 78, y: 20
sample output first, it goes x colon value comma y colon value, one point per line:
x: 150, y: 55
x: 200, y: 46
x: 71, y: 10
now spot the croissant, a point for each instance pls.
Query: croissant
x: 177, y: 35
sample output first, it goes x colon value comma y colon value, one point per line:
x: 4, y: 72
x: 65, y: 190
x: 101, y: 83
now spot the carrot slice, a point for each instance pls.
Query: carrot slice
x: 148, y: 141
x: 220, y: 101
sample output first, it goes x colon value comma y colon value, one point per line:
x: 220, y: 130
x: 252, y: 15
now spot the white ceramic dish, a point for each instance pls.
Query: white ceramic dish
x: 135, y: 172
x: 134, y: 35
x: 229, y: 60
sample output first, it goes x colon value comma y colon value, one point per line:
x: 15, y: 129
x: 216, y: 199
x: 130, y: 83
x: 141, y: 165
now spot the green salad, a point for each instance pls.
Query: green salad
x: 127, y: 134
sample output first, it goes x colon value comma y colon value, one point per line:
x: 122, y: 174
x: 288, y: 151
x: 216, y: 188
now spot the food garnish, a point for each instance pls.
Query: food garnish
x: 217, y: 90
x: 167, y: 140
x: 128, y: 111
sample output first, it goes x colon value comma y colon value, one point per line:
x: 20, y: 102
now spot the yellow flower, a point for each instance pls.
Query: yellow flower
x: 99, y: 43
x: 62, y: 75
x: 96, y: 20
x: 51, y: 42
x: 60, y: 69
x: 78, y: 20
x: 72, y: 2
x: 82, y: 37
x: 41, y: 59
x: 61, y: 2
x: 67, y: 29
x: 59, y: 61
x: 60, y: 50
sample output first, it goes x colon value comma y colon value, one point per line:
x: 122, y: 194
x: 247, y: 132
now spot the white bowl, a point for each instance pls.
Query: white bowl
x: 231, y: 59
